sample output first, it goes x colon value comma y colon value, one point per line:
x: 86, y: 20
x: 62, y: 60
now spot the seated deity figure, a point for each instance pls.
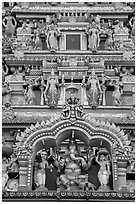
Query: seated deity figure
x: 9, y: 23
x: 104, y: 171
x: 52, y: 33
x: 94, y: 92
x: 73, y: 164
x: 40, y: 172
x: 93, y: 36
x: 52, y: 92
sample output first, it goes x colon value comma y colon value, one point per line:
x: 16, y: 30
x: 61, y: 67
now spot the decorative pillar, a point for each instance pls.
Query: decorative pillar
x: 84, y: 100
x: 84, y: 41
x: 133, y: 95
x: 42, y: 98
x: 122, y: 168
x: 62, y: 42
x: 62, y: 96
x: 23, y: 173
x: 104, y: 95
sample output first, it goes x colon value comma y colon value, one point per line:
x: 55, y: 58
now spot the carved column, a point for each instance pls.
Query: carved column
x: 133, y: 95
x: 23, y: 173
x: 62, y: 96
x: 42, y: 98
x: 62, y: 42
x: 84, y: 42
x: 104, y: 96
x: 84, y: 100
x: 122, y: 168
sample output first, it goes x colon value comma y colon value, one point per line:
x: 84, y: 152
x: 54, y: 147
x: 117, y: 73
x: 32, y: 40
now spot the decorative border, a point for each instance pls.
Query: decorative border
x: 58, y: 195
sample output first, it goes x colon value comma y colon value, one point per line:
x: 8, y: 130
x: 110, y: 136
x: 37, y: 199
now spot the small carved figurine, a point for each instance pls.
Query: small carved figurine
x: 93, y: 36
x: 29, y: 93
x: 52, y: 33
x: 94, y: 92
x: 9, y: 23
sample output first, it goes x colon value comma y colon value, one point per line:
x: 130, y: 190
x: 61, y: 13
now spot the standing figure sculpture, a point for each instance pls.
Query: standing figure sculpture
x: 52, y: 33
x: 6, y: 93
x: 104, y: 171
x: 40, y: 172
x: 29, y: 93
x: 93, y: 36
x: 52, y: 91
x: 9, y: 23
x: 94, y: 92
x: 116, y: 95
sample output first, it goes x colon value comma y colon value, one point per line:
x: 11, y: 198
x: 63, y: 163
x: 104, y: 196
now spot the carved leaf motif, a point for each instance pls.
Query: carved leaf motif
x: 108, y: 124
x: 32, y: 127
x: 117, y: 129
x: 37, y: 125
x: 43, y: 124
x: 112, y: 127
x: 27, y: 130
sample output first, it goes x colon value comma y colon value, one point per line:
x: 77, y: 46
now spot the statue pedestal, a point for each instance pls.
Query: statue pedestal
x: 17, y: 96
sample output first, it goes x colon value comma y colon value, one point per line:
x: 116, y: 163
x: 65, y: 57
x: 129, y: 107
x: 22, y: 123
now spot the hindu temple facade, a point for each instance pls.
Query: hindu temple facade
x: 68, y: 101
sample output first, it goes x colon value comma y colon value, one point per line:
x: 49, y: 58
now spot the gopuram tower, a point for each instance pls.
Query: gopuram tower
x: 68, y: 101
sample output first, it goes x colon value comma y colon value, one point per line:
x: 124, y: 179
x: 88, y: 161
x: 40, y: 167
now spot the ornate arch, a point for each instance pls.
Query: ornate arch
x: 52, y: 130
x: 91, y: 127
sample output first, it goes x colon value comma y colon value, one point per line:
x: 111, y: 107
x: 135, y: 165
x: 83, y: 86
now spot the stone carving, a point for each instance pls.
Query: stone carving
x: 12, y: 185
x: 9, y: 23
x: 5, y: 177
x: 102, y: 159
x: 52, y: 33
x: 37, y: 41
x: 7, y: 112
x: 6, y: 93
x: 24, y: 29
x: 40, y: 174
x: 94, y: 92
x: 109, y: 44
x: 120, y: 29
x: 117, y: 93
x: 74, y: 164
x: 132, y: 25
x: 93, y: 36
x: 52, y: 91
x: 16, y: 75
x: 29, y: 93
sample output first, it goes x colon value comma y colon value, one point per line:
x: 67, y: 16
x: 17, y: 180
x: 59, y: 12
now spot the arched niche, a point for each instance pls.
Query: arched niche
x: 90, y: 132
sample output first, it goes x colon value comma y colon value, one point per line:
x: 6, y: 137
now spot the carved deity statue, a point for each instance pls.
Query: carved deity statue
x: 94, y: 92
x: 104, y: 171
x: 52, y: 33
x: 6, y: 93
x: 9, y: 23
x: 37, y: 41
x: 117, y: 93
x: 52, y: 92
x: 29, y: 93
x: 73, y: 164
x: 109, y: 44
x: 93, y: 36
x: 40, y: 173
